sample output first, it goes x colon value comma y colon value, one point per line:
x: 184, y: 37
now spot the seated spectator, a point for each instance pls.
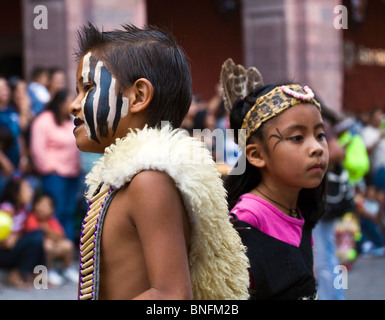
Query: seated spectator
x: 57, y: 246
x: 21, y: 251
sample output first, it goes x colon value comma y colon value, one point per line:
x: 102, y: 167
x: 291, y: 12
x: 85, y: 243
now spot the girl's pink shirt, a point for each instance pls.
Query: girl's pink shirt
x: 53, y: 147
x: 265, y: 217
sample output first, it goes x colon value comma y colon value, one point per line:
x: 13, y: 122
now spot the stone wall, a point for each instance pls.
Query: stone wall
x: 295, y: 40
x: 54, y: 46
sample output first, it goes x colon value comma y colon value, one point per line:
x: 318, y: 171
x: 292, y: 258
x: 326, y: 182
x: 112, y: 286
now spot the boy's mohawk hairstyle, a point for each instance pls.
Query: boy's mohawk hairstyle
x: 88, y: 37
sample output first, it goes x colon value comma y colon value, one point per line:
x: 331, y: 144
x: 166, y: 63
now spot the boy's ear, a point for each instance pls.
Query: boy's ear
x: 139, y: 94
x: 255, y: 155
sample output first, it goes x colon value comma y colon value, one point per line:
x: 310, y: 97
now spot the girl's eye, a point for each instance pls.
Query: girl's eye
x: 321, y: 136
x: 296, y: 138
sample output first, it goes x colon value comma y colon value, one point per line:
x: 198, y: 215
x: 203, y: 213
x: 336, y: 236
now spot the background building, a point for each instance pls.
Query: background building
x: 286, y: 39
x: 364, y: 55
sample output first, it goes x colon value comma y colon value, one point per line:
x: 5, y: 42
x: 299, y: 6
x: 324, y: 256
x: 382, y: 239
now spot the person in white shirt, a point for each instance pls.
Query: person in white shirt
x: 38, y: 91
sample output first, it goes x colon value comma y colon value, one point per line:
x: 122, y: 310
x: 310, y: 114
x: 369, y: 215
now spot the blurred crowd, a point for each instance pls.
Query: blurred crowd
x: 42, y: 172
x: 208, y: 121
x: 369, y: 180
x: 354, y: 219
x: 363, y: 140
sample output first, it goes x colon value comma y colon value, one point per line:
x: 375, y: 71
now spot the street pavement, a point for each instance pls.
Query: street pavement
x: 365, y: 281
x: 67, y: 291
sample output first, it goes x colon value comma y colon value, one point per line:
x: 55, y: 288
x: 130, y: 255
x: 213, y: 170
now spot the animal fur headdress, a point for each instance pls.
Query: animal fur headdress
x: 237, y: 82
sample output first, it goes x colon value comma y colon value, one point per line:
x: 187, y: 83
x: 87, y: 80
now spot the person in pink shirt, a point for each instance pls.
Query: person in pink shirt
x: 56, y: 158
x: 277, y: 200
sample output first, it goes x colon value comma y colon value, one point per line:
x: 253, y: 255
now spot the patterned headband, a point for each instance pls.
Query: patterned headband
x: 275, y: 102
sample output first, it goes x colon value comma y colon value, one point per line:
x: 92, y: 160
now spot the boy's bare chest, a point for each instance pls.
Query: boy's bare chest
x: 122, y: 261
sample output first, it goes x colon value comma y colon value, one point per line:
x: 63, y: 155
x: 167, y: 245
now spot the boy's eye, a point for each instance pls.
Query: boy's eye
x: 87, y: 87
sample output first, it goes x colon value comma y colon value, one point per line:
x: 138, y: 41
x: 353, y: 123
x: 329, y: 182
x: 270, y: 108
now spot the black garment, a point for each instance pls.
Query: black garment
x: 278, y: 270
x: 340, y: 194
x: 26, y: 254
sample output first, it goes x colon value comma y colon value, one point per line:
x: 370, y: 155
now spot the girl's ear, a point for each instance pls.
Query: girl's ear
x: 139, y: 95
x: 255, y: 155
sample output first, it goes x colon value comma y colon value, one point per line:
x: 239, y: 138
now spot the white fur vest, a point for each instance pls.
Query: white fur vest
x: 217, y: 258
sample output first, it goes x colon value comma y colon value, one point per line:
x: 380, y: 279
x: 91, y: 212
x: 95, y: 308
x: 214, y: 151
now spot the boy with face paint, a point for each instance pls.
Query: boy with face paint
x: 157, y: 225
x: 103, y: 105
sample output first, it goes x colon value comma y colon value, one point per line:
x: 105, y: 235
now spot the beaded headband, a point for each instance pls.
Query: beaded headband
x: 275, y: 102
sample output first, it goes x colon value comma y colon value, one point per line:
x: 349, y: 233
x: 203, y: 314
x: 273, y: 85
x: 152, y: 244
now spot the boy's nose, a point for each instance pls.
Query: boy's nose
x: 75, y: 106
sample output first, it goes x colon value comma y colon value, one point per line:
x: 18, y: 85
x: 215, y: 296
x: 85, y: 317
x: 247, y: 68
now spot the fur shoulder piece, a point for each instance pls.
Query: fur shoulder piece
x: 217, y: 258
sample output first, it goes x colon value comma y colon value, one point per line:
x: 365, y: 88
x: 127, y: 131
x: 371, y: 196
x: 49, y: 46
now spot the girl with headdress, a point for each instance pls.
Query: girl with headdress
x: 277, y: 200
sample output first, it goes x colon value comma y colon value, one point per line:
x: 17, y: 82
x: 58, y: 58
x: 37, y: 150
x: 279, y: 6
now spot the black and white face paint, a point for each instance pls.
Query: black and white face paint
x: 102, y: 106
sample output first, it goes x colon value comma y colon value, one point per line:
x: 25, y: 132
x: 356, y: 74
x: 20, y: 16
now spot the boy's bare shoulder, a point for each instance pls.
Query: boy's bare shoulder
x: 149, y: 181
x: 148, y: 177
x: 149, y: 189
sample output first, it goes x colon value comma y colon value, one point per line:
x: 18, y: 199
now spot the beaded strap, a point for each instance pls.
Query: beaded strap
x: 87, y: 243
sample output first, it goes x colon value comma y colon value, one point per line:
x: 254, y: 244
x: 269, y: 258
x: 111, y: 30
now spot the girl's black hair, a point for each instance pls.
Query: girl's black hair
x: 55, y: 105
x: 151, y: 53
x: 310, y: 201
